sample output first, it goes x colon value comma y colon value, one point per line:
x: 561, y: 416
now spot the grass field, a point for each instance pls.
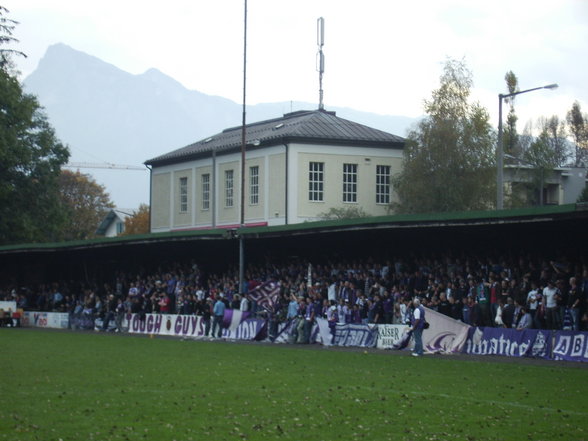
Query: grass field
x: 82, y: 386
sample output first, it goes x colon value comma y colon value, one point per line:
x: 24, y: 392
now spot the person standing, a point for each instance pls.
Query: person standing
x: 550, y: 297
x: 417, y: 326
x: 574, y: 304
x: 219, y: 315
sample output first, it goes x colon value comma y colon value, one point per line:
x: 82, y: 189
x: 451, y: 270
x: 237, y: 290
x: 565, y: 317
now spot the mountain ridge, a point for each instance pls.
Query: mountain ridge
x: 106, y: 114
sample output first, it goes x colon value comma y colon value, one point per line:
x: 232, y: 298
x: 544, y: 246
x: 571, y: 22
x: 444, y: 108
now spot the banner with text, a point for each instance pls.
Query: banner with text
x: 510, y: 342
x: 570, y: 346
x: 389, y: 336
x: 192, y: 326
x: 58, y: 320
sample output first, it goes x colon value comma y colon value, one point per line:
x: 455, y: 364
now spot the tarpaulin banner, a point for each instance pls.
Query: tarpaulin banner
x: 510, y: 342
x: 570, y: 346
x: 58, y: 320
x: 445, y: 334
x: 192, y: 326
x: 361, y: 336
x: 389, y: 336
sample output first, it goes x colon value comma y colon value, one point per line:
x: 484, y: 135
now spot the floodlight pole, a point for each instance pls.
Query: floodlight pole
x: 243, y: 137
x: 500, y: 147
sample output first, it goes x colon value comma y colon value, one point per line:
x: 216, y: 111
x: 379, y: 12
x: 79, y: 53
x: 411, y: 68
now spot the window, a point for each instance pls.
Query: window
x: 315, y: 181
x: 183, y: 194
x: 228, y: 188
x: 206, y: 191
x: 382, y: 184
x: 120, y: 228
x: 349, y: 182
x: 254, y: 185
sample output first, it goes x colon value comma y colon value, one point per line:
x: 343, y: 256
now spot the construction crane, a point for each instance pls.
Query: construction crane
x: 103, y: 165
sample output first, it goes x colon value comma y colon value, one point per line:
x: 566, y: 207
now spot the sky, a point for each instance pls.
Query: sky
x: 381, y: 56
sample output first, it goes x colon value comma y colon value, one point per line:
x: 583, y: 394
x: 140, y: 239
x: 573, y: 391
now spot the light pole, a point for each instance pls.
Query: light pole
x: 500, y: 150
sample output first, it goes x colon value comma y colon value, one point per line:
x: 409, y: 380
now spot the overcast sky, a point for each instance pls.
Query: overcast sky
x: 382, y: 56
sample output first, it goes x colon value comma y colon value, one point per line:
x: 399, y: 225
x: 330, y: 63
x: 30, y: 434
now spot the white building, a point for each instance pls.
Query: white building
x: 296, y: 168
x: 562, y: 185
x: 113, y: 223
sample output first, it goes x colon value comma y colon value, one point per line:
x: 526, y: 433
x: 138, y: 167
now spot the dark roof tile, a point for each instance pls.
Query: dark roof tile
x: 303, y: 126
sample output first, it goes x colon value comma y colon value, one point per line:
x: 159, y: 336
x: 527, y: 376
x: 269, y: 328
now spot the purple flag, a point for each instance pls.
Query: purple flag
x: 233, y: 318
x: 266, y: 295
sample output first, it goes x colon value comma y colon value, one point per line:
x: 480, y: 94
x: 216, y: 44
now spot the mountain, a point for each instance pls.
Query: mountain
x: 106, y: 114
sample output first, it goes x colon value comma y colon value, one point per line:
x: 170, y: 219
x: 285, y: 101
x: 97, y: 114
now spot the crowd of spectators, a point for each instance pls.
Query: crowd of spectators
x: 515, y: 292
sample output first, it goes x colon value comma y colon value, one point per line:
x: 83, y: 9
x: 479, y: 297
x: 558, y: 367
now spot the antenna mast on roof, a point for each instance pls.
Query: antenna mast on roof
x: 320, y: 41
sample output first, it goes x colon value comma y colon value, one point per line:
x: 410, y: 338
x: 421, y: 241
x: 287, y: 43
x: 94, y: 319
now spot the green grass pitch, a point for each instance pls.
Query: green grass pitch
x: 87, y: 386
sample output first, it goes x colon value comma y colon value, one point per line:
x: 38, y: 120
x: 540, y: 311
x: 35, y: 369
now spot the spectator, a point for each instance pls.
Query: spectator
x: 219, y: 315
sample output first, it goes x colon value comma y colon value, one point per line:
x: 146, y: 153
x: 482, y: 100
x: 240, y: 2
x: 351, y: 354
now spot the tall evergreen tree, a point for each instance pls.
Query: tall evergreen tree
x: 449, y: 158
x: 510, y: 135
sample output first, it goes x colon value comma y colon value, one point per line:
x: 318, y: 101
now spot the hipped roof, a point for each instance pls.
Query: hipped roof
x: 317, y: 127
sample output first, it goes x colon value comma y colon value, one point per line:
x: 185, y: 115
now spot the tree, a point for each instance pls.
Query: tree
x: 30, y: 159
x: 138, y: 223
x: 449, y: 162
x: 84, y: 203
x: 510, y: 136
x: 578, y: 127
x: 337, y: 213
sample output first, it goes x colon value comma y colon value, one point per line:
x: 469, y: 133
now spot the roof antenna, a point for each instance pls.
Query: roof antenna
x: 320, y: 41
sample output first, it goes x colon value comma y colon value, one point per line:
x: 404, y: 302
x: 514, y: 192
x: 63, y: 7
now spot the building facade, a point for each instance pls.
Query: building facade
x: 561, y: 185
x: 296, y: 168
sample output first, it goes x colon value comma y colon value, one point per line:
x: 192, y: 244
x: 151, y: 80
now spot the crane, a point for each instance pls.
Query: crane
x: 103, y: 165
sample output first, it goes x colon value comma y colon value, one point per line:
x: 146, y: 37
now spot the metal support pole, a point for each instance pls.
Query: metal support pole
x: 499, y: 160
x: 243, y: 140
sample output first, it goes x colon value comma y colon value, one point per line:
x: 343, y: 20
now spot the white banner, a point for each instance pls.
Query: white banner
x: 58, y: 320
x: 445, y: 335
x: 8, y: 306
x: 390, y: 335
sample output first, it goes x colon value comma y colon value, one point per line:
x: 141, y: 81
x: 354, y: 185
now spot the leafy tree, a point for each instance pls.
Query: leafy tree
x: 138, y: 223
x: 30, y: 159
x: 449, y: 160
x: 578, y: 127
x: 84, y: 203
x: 338, y: 213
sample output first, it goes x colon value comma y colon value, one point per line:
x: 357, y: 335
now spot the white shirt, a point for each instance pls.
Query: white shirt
x: 532, y: 299
x: 549, y: 296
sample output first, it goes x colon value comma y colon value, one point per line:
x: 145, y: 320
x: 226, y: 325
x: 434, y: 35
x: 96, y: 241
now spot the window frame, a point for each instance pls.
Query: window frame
x: 316, y: 181
x: 350, y: 183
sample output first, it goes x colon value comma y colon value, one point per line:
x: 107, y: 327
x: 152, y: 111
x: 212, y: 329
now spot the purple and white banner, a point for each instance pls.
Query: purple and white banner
x: 233, y: 318
x: 510, y: 342
x: 362, y: 336
x: 266, y: 295
x: 570, y: 346
x: 445, y: 334
x: 193, y: 326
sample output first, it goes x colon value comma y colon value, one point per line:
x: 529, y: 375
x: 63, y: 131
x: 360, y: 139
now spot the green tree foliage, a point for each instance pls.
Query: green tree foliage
x: 578, y: 128
x: 84, y: 203
x: 30, y: 159
x: 138, y: 223
x: 449, y: 161
x: 337, y: 213
x: 510, y: 136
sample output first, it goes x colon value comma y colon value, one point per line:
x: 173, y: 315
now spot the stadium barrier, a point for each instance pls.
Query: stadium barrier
x: 445, y: 335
